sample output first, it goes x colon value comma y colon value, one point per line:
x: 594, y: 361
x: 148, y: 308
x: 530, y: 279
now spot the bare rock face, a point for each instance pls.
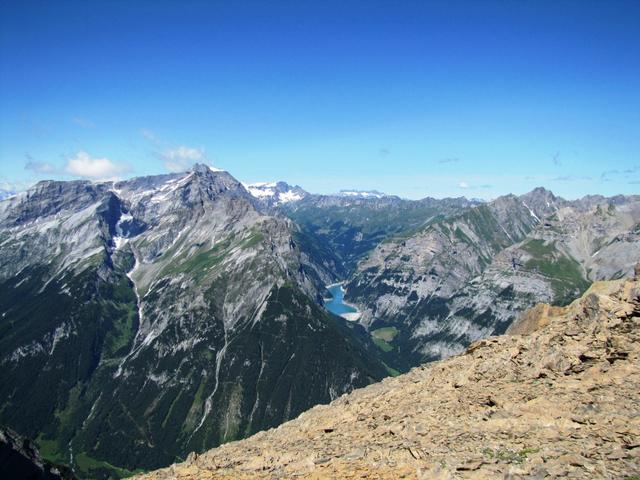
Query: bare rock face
x: 534, y: 319
x: 467, y: 275
x: 19, y: 458
x: 560, y: 401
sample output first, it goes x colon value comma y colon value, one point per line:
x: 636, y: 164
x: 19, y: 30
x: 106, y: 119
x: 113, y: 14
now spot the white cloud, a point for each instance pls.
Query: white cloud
x: 83, y: 122
x: 182, y: 158
x: 83, y: 165
x: 38, y: 167
x: 10, y: 186
x: 474, y: 186
x: 149, y: 135
x: 572, y: 178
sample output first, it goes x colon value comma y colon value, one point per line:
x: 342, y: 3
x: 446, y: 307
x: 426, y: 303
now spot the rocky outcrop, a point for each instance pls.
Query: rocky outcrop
x: 558, y: 399
x: 20, y: 459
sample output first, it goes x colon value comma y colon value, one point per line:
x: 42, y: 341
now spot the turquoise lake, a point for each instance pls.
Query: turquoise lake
x: 336, y: 304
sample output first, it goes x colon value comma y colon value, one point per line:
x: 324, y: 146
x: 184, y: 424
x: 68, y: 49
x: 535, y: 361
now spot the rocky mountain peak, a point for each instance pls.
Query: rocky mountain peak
x: 49, y: 197
x: 219, y: 180
x: 541, y: 202
x: 541, y: 191
x: 201, y: 168
x: 192, y: 193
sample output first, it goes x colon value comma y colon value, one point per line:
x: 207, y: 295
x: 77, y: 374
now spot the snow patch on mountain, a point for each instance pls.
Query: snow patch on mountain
x: 290, y: 196
x: 275, y: 193
x: 120, y: 238
x: 261, y: 189
x: 531, y: 212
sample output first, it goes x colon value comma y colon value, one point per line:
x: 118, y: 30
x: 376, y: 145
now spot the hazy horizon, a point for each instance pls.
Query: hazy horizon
x: 337, y: 192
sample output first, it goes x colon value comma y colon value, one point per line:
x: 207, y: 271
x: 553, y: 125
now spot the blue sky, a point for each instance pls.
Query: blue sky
x: 415, y: 98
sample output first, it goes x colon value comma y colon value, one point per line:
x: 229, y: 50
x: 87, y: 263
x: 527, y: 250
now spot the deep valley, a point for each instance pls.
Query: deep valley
x: 144, y: 319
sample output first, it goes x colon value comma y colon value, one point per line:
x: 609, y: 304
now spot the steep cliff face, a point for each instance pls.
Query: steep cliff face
x: 557, y: 399
x: 20, y: 459
x: 465, y: 277
x: 144, y: 319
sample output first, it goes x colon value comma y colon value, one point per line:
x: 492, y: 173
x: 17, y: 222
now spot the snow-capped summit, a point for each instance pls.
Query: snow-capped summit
x: 275, y: 193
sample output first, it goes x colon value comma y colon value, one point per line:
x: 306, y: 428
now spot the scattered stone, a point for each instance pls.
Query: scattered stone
x: 558, y: 399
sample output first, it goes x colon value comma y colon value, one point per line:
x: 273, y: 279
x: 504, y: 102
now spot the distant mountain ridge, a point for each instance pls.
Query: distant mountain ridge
x: 466, y: 276
x: 275, y: 193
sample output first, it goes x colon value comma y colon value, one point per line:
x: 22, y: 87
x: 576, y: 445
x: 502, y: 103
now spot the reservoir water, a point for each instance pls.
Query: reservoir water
x: 336, y: 305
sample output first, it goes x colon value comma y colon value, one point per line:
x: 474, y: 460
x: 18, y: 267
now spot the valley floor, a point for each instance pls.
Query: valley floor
x: 560, y: 399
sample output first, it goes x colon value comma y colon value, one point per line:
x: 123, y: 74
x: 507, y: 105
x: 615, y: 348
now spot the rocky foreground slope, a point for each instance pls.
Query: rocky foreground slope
x: 557, y: 397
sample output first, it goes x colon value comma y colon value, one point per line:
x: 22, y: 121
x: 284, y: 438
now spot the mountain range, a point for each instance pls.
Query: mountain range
x: 144, y: 319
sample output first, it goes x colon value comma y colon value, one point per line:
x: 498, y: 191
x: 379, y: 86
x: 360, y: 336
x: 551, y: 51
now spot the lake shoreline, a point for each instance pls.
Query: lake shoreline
x: 338, y: 306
